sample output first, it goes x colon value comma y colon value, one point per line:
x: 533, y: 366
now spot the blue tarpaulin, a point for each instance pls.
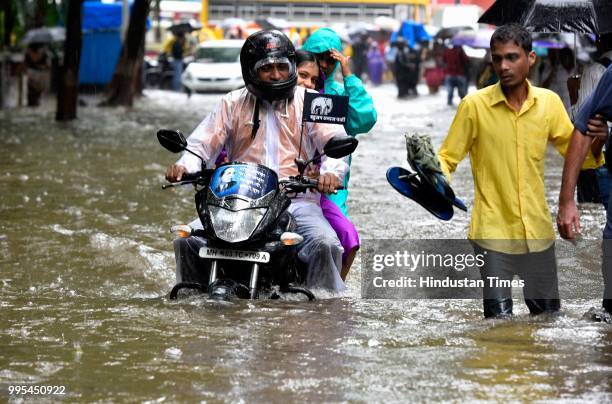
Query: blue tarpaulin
x: 101, y: 42
x: 101, y: 15
x: 412, y: 32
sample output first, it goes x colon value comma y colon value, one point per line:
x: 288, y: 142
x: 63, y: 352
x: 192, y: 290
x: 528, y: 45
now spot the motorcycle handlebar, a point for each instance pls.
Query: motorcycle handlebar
x: 188, y: 178
x: 295, y: 183
x: 304, y: 183
x: 191, y: 176
x: 315, y: 183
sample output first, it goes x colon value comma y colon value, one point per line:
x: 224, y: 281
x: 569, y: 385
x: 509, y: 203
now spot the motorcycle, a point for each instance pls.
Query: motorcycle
x: 159, y: 73
x: 249, y: 236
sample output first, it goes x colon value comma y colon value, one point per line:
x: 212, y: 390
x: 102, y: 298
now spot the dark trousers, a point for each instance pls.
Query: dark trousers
x: 606, y: 270
x: 538, y: 270
x: 593, y: 186
x: 34, y: 95
x: 452, y: 82
x: 606, y: 266
x: 403, y: 85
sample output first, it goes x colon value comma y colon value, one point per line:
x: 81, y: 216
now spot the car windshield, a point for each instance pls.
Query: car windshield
x: 217, y: 55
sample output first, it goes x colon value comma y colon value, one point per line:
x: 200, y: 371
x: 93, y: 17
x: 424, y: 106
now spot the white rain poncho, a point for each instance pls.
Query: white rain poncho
x: 276, y: 143
x: 276, y: 146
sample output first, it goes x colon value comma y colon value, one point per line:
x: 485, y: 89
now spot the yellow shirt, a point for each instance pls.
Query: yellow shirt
x: 167, y: 46
x: 507, y: 154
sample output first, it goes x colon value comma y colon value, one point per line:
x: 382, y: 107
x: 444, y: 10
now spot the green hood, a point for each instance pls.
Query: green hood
x: 322, y: 40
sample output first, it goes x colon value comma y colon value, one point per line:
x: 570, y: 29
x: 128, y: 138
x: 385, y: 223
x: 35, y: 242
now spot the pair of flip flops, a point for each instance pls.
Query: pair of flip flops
x: 427, y: 185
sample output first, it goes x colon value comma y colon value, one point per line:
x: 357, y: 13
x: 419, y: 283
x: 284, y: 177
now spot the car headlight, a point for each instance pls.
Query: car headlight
x: 235, y: 226
x: 187, y: 76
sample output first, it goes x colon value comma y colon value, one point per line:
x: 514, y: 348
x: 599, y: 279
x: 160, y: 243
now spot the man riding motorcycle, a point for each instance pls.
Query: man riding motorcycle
x: 262, y: 124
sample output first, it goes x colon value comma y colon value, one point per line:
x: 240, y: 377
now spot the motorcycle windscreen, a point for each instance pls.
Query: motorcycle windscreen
x: 251, y: 181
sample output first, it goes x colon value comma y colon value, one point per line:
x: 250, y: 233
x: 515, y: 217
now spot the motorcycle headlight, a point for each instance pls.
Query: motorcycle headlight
x: 234, y: 226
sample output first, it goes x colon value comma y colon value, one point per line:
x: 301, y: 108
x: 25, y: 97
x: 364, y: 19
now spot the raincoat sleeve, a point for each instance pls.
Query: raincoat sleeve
x: 208, y: 137
x: 361, y: 114
x: 459, y: 140
x: 561, y: 130
x: 339, y: 167
x: 320, y: 134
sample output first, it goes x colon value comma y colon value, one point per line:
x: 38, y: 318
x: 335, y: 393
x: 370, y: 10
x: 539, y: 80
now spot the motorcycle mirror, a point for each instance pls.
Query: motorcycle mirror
x: 172, y: 140
x: 340, y: 146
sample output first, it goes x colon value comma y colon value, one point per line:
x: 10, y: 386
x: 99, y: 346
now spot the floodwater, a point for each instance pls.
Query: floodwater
x: 86, y: 260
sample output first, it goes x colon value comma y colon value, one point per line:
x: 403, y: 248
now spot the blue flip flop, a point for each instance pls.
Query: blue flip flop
x: 437, y: 181
x: 408, y: 184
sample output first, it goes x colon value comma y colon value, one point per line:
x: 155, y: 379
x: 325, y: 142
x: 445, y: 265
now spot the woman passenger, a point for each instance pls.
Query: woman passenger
x: 311, y: 77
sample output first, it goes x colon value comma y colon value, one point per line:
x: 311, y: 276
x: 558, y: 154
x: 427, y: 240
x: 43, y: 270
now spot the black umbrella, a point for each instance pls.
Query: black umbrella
x: 449, y: 32
x: 578, y: 16
x: 185, y: 27
x: 603, y: 11
x: 44, y: 35
x: 265, y: 23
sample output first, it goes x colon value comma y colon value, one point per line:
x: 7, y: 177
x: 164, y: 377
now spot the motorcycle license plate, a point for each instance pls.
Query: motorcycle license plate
x: 236, y: 255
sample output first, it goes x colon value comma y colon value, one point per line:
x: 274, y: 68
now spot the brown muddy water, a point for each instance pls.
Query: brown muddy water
x: 86, y: 260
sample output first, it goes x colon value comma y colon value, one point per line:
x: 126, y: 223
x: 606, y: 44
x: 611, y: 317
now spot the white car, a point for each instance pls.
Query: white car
x: 216, y: 67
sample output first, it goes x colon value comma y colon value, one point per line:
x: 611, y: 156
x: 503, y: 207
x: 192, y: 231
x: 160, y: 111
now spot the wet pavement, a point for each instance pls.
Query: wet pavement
x: 86, y: 260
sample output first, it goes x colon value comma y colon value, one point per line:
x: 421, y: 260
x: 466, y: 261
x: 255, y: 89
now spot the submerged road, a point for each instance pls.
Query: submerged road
x: 86, y: 259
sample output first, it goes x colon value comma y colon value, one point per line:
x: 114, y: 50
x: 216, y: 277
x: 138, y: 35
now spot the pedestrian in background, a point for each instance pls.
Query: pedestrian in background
x: 455, y: 68
x: 403, y: 68
x: 376, y: 64
x: 390, y: 53
x: 414, y: 66
x: 486, y: 74
x: 38, y: 65
x: 560, y: 69
x: 359, y: 57
x: 177, y: 47
x: 434, y: 68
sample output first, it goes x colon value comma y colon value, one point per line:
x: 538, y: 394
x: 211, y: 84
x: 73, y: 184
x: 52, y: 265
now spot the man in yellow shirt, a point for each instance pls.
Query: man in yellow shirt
x: 178, y: 47
x: 505, y: 128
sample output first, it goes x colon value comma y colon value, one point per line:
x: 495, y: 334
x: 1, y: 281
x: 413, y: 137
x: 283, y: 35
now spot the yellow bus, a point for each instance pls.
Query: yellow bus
x: 324, y: 11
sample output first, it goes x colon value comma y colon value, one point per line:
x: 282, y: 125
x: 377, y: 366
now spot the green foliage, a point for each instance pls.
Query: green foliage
x: 54, y: 17
x: 28, y: 14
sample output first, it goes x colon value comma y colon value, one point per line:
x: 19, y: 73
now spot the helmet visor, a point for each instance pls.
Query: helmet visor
x: 281, y: 62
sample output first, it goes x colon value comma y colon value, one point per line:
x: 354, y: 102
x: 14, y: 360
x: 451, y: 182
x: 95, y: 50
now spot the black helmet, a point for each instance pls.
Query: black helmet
x: 261, y: 48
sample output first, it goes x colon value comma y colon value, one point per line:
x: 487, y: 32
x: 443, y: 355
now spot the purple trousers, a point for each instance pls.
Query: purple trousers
x: 345, y: 230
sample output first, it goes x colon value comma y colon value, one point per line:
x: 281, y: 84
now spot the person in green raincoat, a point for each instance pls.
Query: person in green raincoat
x: 327, y: 47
